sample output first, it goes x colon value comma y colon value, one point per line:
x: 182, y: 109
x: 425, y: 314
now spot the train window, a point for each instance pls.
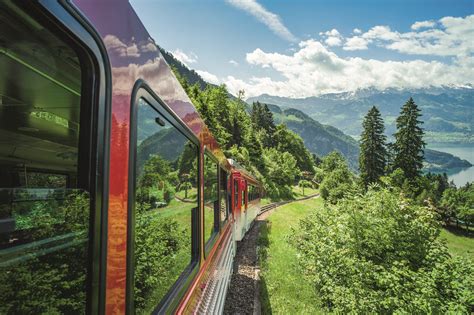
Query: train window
x: 223, y: 197
x: 244, y: 202
x: 211, y: 202
x: 166, y: 177
x: 44, y: 188
x: 236, y: 193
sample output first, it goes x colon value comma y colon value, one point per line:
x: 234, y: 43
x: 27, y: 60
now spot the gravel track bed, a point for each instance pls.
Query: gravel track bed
x: 243, y: 295
x: 243, y: 288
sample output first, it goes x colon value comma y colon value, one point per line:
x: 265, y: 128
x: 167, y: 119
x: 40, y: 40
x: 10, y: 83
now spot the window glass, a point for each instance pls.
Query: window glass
x: 223, y: 197
x: 165, y: 194
x: 44, y: 201
x: 210, y: 196
x: 236, y: 193
x: 243, y: 196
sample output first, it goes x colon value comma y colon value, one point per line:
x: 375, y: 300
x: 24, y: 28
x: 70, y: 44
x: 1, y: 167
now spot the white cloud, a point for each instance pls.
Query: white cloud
x: 185, y: 58
x: 453, y: 37
x: 314, y: 70
x: 332, y: 37
x: 271, y: 20
x: 422, y: 24
x: 233, y: 62
x: 208, y: 77
x: 356, y: 43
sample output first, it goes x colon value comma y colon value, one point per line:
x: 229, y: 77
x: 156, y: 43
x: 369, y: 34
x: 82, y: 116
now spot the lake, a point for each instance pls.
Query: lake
x: 459, y: 176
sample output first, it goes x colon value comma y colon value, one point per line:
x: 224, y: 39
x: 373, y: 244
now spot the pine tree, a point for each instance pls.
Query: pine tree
x: 409, y: 144
x: 373, y: 153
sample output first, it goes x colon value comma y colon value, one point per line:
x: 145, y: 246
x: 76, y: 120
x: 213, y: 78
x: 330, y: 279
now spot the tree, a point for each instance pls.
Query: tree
x: 286, y: 140
x: 304, y: 183
x: 262, y: 119
x: 409, y: 142
x: 337, y: 181
x: 378, y: 253
x: 372, y: 159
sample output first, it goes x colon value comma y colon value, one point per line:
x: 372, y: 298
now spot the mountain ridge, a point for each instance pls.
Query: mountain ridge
x: 447, y: 111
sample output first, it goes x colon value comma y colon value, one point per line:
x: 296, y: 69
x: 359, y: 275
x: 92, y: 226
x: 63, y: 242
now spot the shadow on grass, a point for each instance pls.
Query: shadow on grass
x: 263, y: 243
x: 460, y: 231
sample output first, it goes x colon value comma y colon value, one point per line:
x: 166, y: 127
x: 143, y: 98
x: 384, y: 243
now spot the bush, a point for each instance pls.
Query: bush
x: 378, y: 253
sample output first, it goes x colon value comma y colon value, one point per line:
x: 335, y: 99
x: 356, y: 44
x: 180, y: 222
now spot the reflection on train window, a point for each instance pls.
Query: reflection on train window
x: 165, y: 194
x: 44, y: 202
x: 243, y: 196
x: 210, y: 196
x: 236, y: 193
x: 223, y: 197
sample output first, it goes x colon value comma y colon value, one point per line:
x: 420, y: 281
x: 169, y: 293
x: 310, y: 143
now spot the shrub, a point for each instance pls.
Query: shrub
x: 378, y: 253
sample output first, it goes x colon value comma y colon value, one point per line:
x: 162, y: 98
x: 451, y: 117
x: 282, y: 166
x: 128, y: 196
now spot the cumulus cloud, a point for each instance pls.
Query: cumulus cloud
x: 332, y: 37
x: 422, y: 24
x: 356, y: 43
x: 185, y: 58
x: 233, y: 62
x: 209, y: 77
x: 453, y: 37
x: 270, y: 19
x: 314, y: 70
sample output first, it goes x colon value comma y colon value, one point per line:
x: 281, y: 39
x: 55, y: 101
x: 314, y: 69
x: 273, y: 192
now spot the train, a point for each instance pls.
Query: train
x: 115, y: 197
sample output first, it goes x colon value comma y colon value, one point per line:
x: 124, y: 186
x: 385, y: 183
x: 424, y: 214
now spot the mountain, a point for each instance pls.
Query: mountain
x: 436, y: 161
x: 319, y: 139
x: 447, y: 111
x: 322, y: 139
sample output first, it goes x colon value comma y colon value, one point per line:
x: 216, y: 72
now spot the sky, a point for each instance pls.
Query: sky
x: 303, y: 48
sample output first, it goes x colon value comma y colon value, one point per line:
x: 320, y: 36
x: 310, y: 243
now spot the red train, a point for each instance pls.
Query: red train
x: 114, y: 196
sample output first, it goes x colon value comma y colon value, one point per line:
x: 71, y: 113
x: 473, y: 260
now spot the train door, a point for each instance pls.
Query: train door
x: 51, y: 173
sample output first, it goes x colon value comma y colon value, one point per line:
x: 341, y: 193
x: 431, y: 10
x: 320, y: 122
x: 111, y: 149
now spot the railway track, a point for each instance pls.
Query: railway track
x: 274, y: 205
x: 243, y: 295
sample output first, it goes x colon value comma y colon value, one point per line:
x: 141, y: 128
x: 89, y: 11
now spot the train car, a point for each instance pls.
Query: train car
x: 114, y: 196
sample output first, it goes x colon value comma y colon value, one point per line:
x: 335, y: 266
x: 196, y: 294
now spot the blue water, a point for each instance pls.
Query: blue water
x: 459, y: 176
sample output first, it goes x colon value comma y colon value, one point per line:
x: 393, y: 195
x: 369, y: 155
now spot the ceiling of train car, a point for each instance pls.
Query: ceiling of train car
x: 40, y: 85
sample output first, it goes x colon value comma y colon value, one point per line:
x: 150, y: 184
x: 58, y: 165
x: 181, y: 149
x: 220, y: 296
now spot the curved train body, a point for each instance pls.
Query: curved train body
x: 114, y: 196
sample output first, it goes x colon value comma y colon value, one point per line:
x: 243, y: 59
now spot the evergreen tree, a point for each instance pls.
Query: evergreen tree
x: 409, y: 142
x: 262, y: 119
x: 373, y: 152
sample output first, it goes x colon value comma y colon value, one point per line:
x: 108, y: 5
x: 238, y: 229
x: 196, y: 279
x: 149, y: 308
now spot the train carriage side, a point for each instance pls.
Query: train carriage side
x: 114, y: 196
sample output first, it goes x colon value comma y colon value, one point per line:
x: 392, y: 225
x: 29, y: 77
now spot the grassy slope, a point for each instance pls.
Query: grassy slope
x: 283, y: 290
x: 459, y: 244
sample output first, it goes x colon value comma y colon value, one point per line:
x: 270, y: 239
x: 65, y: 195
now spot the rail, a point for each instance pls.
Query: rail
x: 274, y: 205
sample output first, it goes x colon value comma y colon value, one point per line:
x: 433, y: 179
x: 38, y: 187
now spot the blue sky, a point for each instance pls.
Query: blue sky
x: 304, y: 48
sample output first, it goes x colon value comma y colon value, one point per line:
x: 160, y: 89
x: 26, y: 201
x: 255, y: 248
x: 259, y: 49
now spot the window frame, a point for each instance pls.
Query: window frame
x: 212, y: 239
x: 67, y: 21
x: 172, y: 298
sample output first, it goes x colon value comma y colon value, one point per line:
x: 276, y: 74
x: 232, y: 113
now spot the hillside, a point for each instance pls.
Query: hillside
x: 319, y: 139
x: 447, y: 112
x: 191, y: 76
x: 322, y: 139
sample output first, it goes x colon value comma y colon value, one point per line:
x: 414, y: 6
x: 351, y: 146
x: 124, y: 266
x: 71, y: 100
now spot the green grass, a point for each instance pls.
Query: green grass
x: 283, y: 289
x: 459, y: 244
x: 192, y: 194
x: 298, y: 192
